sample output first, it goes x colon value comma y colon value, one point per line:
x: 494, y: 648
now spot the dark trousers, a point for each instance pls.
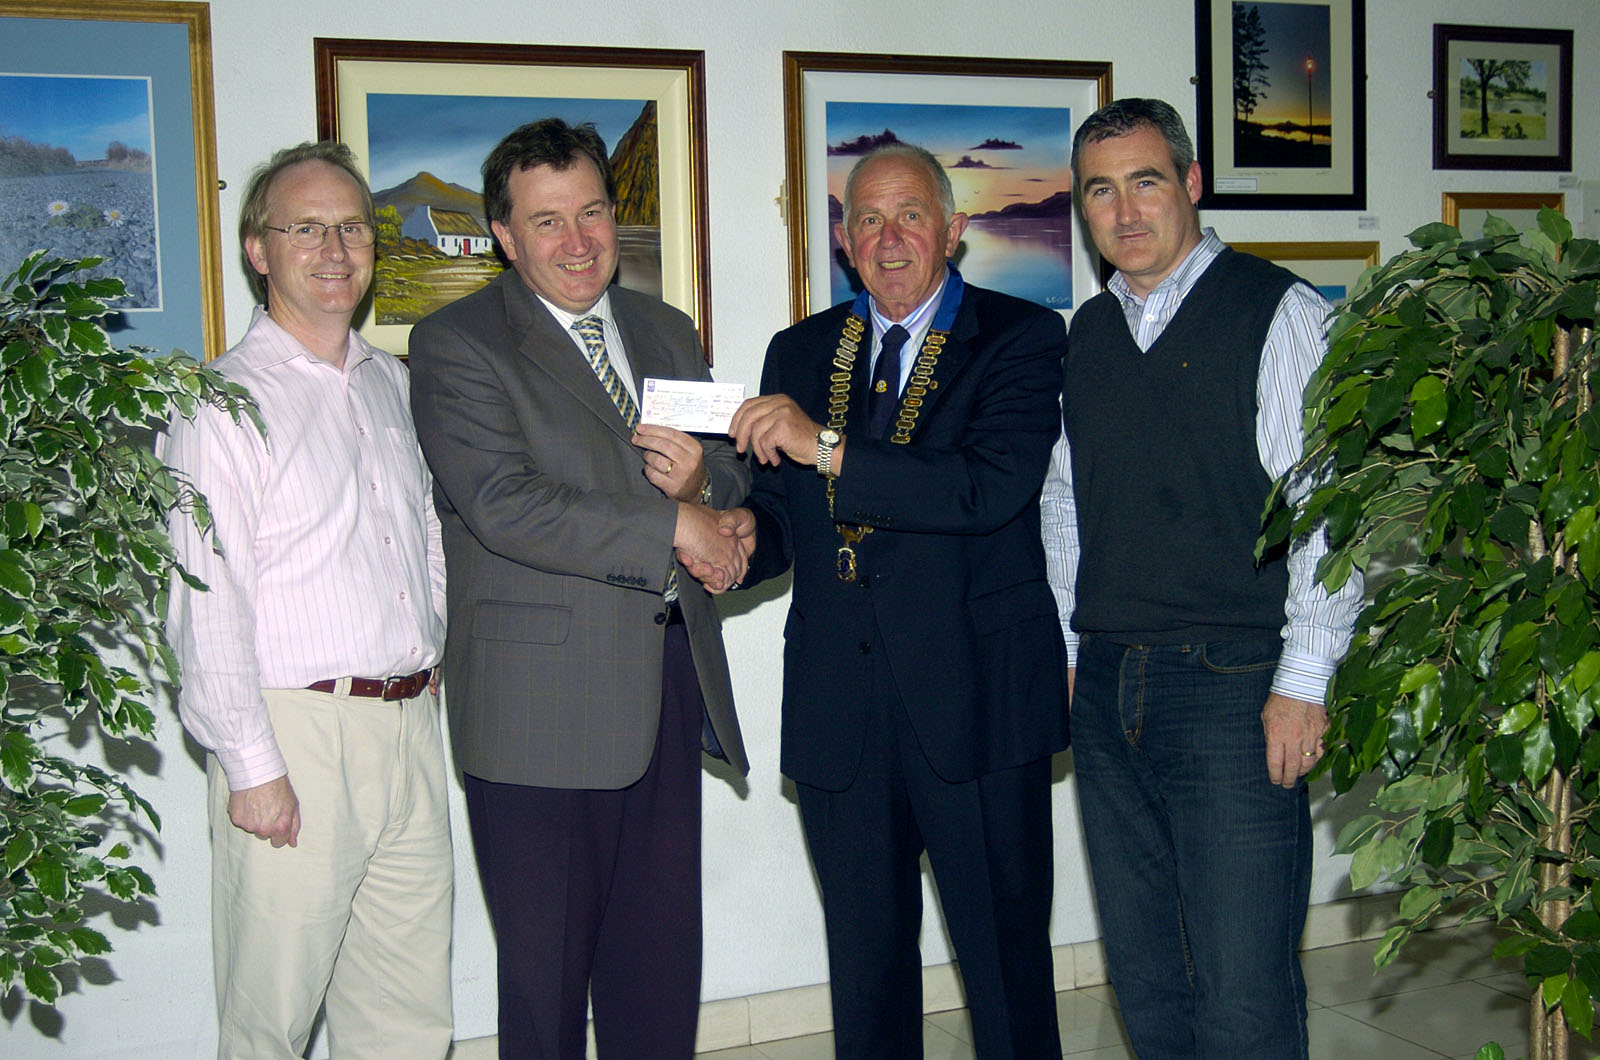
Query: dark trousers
x: 988, y: 841
x: 596, y: 894
x: 1202, y: 865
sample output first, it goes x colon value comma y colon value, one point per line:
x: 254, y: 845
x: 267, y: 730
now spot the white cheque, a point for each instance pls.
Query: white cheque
x: 690, y: 406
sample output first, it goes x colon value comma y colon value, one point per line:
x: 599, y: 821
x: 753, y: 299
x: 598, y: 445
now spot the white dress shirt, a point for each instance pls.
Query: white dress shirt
x: 1318, y: 624
x: 325, y: 558
x: 616, y: 352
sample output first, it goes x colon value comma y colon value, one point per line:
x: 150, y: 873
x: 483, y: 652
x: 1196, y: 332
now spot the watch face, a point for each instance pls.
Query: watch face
x: 828, y: 436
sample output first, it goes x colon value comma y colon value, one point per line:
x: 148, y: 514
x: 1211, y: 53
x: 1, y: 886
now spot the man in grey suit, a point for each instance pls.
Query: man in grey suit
x: 584, y: 668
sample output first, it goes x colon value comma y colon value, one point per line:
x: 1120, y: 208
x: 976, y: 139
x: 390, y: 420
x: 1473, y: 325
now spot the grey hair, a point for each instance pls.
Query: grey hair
x: 921, y: 156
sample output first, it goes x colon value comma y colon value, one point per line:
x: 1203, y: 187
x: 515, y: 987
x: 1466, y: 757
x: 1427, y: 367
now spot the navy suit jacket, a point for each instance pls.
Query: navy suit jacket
x: 952, y: 580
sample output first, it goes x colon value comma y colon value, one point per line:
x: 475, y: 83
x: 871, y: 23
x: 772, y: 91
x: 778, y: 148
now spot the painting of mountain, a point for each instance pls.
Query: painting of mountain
x: 426, y: 153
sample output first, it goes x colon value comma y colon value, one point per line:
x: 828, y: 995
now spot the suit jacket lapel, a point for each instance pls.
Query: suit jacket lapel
x: 552, y: 350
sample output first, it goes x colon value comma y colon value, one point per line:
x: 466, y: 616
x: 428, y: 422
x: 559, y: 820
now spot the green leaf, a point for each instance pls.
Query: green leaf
x: 1503, y: 755
x: 1577, y: 1006
x: 1437, y: 840
x: 50, y: 876
x: 1428, y: 407
x: 41, y: 983
x: 1490, y: 1051
x: 1582, y: 924
x: 20, y: 849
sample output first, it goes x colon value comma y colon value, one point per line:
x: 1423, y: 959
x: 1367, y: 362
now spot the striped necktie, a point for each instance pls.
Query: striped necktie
x: 591, y: 329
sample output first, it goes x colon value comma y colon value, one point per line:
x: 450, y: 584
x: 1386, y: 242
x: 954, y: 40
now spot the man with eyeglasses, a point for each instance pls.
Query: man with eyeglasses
x: 308, y: 653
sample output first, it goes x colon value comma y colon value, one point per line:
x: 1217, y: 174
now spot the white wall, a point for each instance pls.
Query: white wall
x: 152, y: 1000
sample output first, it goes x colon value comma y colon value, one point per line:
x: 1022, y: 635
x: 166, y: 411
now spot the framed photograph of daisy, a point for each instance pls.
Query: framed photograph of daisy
x: 107, y: 150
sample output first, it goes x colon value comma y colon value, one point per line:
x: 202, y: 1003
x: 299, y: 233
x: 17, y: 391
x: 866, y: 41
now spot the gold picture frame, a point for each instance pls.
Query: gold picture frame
x: 939, y: 96
x: 493, y: 88
x: 1521, y: 208
x: 168, y: 45
x: 1332, y: 267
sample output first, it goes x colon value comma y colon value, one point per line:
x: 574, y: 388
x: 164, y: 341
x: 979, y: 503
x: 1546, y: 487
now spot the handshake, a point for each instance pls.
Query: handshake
x: 715, y: 546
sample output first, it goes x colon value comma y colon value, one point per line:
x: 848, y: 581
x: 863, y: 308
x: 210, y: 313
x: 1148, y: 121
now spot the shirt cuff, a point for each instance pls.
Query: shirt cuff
x: 252, y: 766
x: 1302, y: 676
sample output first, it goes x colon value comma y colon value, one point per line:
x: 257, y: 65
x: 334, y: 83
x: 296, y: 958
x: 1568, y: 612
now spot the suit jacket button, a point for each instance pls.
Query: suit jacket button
x: 661, y: 618
x: 865, y: 647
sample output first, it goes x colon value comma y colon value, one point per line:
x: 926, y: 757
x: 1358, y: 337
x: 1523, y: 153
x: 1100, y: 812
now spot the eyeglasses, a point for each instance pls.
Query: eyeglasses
x: 309, y: 235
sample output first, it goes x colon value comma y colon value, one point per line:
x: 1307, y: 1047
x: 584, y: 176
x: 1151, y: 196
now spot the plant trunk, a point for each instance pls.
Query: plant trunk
x: 1548, y: 1037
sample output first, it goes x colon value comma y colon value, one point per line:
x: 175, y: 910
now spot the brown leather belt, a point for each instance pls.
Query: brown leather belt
x: 389, y: 689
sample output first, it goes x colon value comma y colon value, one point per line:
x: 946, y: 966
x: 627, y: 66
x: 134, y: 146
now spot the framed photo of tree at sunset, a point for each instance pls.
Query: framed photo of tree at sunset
x: 1282, y: 103
x: 1502, y: 98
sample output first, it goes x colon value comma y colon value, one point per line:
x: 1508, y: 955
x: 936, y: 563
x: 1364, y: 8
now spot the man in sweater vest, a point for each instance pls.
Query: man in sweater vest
x: 1196, y: 674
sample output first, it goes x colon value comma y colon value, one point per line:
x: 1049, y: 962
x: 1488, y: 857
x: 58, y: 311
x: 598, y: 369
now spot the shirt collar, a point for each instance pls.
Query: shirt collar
x: 601, y: 309
x: 915, y: 321
x: 282, y: 347
x: 1179, y: 280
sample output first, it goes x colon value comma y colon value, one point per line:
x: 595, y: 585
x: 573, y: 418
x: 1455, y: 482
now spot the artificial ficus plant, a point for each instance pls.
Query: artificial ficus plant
x: 84, y: 563
x: 1452, y: 430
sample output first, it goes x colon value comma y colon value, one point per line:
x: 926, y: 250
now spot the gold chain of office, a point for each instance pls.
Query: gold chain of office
x: 917, y: 387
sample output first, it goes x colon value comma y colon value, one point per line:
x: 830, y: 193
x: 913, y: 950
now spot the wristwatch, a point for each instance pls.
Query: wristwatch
x: 827, y: 439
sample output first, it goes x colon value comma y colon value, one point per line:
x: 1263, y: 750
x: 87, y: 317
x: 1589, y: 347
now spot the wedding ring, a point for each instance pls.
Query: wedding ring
x: 670, y: 466
x: 1309, y: 754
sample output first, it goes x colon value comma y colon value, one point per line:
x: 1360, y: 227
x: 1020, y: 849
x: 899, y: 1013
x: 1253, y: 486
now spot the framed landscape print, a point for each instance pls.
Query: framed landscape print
x: 1002, y: 128
x: 1331, y: 267
x: 107, y: 149
x: 1502, y: 98
x: 1282, y: 104
x: 1467, y: 210
x: 422, y: 116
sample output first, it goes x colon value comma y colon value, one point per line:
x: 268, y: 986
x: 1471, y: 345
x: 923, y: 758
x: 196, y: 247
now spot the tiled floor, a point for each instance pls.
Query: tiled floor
x: 1441, y: 999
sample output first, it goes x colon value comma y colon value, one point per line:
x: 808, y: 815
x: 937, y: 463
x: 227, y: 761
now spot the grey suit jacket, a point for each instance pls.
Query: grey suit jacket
x: 556, y: 546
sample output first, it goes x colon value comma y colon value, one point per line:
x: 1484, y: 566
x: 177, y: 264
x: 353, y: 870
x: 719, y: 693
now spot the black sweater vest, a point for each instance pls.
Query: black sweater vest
x: 1165, y: 469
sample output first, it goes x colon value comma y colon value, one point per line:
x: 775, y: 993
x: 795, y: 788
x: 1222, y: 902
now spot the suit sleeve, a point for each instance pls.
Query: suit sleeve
x: 484, y: 464
x: 997, y: 468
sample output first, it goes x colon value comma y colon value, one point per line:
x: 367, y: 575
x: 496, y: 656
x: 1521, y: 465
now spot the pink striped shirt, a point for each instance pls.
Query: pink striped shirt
x: 331, y: 562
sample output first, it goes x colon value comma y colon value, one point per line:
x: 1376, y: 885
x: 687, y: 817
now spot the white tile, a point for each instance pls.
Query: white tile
x: 790, y: 1013
x: 936, y: 1045
x: 476, y: 1049
x: 723, y: 1024
x: 1453, y: 1019
x: 1334, y: 1036
x: 1089, y: 1023
x: 1089, y: 964
x: 743, y: 1052
x: 1336, y: 975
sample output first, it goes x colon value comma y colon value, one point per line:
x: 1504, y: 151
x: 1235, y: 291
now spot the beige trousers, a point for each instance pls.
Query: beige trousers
x: 358, y: 913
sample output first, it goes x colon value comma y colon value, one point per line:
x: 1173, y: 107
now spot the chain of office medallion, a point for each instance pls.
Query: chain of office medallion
x: 917, y: 387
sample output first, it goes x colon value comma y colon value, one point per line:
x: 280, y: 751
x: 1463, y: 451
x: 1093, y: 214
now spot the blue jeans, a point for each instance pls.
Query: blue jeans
x: 1201, y: 865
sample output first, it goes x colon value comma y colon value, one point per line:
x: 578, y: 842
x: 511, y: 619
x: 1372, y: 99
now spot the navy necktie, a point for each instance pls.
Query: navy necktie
x: 885, y: 396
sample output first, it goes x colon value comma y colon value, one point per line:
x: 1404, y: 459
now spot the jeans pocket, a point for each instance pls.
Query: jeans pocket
x: 1241, y: 656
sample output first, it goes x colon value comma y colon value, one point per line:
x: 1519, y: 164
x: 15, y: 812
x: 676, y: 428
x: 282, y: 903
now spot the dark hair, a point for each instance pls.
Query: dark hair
x: 911, y: 152
x: 546, y: 142
x: 256, y: 204
x: 1123, y: 116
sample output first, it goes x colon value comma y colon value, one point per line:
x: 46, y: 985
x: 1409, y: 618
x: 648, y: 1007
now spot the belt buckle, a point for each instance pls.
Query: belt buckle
x: 395, y: 688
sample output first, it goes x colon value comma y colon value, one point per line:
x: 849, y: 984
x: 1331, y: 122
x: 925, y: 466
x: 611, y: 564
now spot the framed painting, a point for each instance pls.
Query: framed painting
x: 422, y: 116
x: 1003, y: 130
x: 1290, y: 130
x: 108, y: 149
x: 1502, y: 98
x: 1332, y: 268
x: 1467, y: 210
